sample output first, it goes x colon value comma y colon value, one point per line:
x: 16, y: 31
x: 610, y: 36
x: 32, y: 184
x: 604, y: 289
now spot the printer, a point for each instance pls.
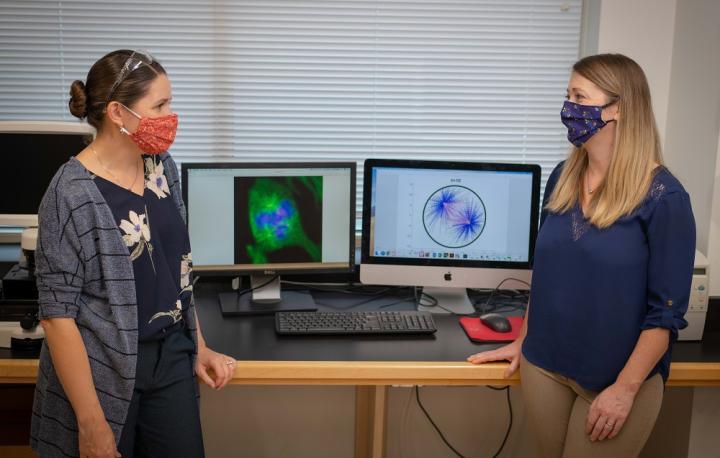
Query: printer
x: 698, y: 304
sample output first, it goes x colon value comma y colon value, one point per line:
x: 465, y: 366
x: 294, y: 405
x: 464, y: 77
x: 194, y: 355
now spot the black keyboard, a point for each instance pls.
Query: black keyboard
x: 367, y: 322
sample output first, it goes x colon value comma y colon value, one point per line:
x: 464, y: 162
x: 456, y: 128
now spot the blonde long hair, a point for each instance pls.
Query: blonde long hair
x: 637, y: 145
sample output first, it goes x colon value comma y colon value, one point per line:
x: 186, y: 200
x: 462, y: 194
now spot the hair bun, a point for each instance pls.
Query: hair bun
x: 78, y: 99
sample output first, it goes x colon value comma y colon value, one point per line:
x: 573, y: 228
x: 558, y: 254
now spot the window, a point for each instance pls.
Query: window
x: 286, y: 80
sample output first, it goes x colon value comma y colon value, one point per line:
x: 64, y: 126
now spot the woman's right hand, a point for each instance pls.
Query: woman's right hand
x: 97, y: 440
x: 510, y: 352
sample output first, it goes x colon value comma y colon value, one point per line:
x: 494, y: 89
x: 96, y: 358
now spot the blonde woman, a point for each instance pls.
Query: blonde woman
x: 612, y: 270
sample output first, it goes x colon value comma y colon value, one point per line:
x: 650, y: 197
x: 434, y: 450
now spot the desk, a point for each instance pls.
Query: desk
x: 369, y: 363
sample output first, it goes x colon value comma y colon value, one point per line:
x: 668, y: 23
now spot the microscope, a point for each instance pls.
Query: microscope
x: 19, y: 328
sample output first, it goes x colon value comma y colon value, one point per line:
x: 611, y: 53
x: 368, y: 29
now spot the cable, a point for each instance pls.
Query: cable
x: 372, y: 296
x: 510, y: 422
x: 503, y: 293
x: 400, y: 301
x: 250, y: 290
x: 483, y: 307
x: 350, y: 288
x: 436, y: 303
x: 418, y: 300
x: 442, y: 436
x: 307, y: 283
x: 404, y: 424
x: 427, y: 415
x: 501, y: 308
x: 371, y: 292
x: 497, y: 288
x: 356, y: 304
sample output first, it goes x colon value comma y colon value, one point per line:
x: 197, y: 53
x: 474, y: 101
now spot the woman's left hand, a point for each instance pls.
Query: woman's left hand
x: 223, y: 367
x: 609, y: 411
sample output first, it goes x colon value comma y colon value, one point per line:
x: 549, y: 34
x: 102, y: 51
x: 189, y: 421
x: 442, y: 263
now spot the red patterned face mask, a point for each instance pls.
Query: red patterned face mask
x: 153, y: 135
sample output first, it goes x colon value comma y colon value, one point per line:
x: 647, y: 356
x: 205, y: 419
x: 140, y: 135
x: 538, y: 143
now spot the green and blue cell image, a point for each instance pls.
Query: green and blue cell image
x: 278, y: 219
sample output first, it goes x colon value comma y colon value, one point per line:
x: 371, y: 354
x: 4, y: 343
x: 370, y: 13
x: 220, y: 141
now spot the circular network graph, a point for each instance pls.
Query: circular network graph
x: 454, y: 216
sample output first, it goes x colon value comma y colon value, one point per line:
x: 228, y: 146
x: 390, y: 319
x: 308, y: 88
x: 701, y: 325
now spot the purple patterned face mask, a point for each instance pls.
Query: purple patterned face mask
x: 582, y: 121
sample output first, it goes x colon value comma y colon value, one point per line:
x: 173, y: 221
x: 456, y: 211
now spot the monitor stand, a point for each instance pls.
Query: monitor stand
x: 265, y: 300
x: 450, y: 300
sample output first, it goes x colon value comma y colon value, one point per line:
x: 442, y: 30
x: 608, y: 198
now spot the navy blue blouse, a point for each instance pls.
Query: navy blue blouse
x: 159, y: 247
x: 594, y: 291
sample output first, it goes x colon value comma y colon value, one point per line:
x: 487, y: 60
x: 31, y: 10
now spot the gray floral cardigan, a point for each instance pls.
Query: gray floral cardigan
x: 84, y: 272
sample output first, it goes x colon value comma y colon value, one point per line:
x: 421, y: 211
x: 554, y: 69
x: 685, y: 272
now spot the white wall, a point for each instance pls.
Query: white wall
x: 642, y: 30
x: 693, y: 118
x: 714, y: 231
x: 675, y: 41
x: 705, y: 423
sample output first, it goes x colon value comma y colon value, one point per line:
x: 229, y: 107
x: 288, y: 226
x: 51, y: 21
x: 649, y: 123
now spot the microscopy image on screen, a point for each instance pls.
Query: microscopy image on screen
x: 278, y: 219
x: 454, y: 216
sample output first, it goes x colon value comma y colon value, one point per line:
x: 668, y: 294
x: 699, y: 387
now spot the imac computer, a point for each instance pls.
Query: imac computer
x: 448, y: 226
x: 268, y: 219
x: 32, y: 152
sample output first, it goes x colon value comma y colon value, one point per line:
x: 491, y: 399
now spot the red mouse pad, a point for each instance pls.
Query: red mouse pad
x: 478, y: 332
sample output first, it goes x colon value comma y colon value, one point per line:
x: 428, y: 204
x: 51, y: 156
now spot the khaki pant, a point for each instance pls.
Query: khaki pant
x: 557, y: 408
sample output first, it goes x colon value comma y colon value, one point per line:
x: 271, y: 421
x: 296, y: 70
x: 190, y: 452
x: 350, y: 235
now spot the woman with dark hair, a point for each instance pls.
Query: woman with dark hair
x: 611, y: 276
x: 114, y: 272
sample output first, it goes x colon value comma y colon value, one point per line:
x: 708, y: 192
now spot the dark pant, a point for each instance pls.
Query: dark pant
x: 164, y: 418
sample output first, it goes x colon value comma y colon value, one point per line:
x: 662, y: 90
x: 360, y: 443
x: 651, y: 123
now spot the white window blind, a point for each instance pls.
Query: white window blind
x: 271, y: 80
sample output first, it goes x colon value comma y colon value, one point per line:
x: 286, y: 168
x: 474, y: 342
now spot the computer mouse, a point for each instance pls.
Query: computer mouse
x: 496, y: 322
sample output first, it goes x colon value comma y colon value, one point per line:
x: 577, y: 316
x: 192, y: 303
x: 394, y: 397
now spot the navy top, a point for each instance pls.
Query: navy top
x: 594, y: 291
x: 159, y: 247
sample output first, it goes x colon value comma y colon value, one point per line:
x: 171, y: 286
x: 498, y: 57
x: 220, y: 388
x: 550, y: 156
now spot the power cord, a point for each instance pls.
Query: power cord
x: 404, y: 424
x: 363, y: 302
x: 510, y: 415
x: 372, y: 293
x: 483, y: 308
x: 250, y: 290
x: 434, y: 302
x: 442, y: 436
x: 345, y: 288
x: 427, y: 415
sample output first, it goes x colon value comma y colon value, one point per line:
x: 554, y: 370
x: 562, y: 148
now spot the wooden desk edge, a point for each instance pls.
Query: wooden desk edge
x: 24, y: 371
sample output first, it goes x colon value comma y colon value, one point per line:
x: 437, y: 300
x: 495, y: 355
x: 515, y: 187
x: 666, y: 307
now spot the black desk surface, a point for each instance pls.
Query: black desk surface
x: 254, y: 338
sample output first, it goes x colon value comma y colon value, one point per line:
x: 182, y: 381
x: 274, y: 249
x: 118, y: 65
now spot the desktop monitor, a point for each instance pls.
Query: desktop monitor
x: 448, y: 226
x: 32, y: 152
x: 267, y: 219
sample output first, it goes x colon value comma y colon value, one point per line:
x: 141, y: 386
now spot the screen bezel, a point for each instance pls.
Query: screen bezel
x: 366, y: 253
x: 272, y: 269
x: 13, y: 221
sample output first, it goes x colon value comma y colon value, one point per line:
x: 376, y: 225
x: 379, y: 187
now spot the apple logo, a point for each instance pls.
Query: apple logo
x: 448, y: 276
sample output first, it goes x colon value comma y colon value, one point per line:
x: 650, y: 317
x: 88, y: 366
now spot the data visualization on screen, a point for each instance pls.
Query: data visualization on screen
x: 451, y: 214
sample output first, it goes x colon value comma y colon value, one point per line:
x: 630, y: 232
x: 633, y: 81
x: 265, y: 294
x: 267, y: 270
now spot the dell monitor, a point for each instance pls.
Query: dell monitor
x: 33, y: 151
x: 448, y: 226
x: 267, y: 219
